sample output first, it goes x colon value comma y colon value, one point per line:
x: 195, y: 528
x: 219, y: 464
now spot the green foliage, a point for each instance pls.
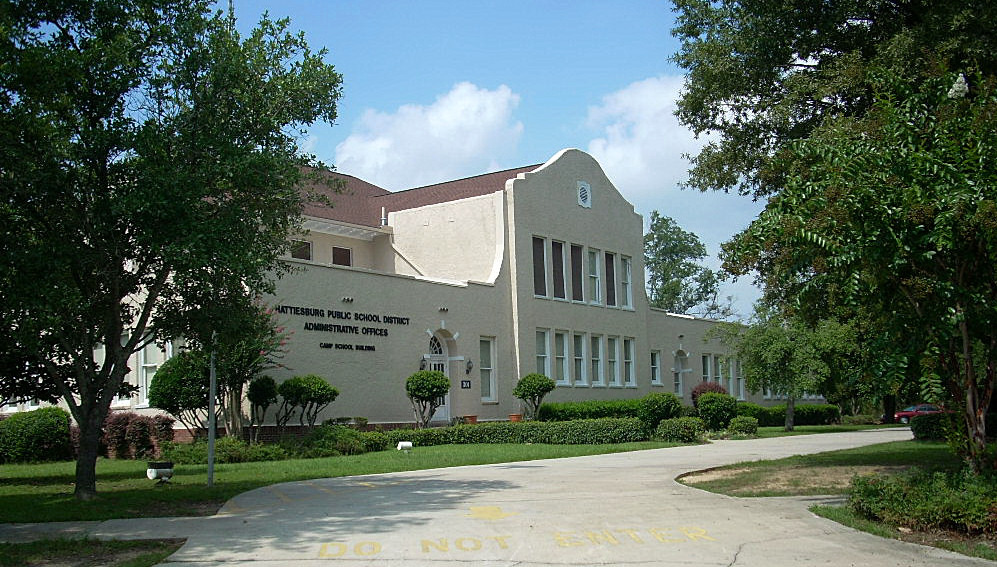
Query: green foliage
x: 589, y: 409
x: 262, y: 393
x: 163, y: 144
x: 308, y: 394
x: 931, y: 427
x: 704, y: 387
x: 749, y: 409
x: 658, y: 406
x: 579, y: 432
x: 38, y: 435
x: 140, y: 433
x: 531, y: 389
x: 227, y: 450
x: 681, y: 430
x: 676, y: 281
x: 180, y: 387
x: 426, y: 390
x: 716, y: 410
x: 817, y: 414
x: 923, y: 500
x: 743, y: 425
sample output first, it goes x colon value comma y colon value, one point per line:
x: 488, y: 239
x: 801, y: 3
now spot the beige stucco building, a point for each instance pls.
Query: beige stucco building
x: 489, y: 278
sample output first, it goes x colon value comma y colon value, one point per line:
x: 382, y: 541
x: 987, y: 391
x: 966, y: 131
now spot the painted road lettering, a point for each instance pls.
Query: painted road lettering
x: 471, y: 544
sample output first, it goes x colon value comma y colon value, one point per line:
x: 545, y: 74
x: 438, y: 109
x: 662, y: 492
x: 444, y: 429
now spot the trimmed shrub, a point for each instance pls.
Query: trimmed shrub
x: 139, y: 434
x: 748, y: 409
x: 425, y: 389
x: 704, y: 388
x: 653, y: 408
x: 39, y: 435
x: 816, y: 414
x: 922, y: 500
x: 116, y: 434
x: 330, y: 441
x: 587, y: 431
x: 163, y: 428
x: 531, y: 389
x: 227, y: 450
x: 931, y: 427
x: 681, y: 430
x: 743, y: 425
x: 689, y: 411
x: 716, y: 410
x: 860, y: 419
x: 591, y: 409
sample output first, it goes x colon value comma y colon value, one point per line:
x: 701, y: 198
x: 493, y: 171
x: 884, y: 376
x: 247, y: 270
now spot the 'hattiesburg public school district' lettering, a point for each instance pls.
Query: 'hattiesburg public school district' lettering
x: 344, y: 328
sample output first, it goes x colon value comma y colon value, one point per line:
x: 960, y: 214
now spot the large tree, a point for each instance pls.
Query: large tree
x: 148, y: 163
x: 676, y: 281
x: 761, y: 74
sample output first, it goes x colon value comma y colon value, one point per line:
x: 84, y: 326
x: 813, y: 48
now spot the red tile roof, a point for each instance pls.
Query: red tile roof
x: 360, y: 202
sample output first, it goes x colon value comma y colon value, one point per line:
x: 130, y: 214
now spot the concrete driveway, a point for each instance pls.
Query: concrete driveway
x: 622, y: 509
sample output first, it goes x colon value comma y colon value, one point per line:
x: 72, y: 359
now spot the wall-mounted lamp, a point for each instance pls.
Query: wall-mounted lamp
x: 422, y: 364
x: 469, y: 366
x: 444, y: 309
x: 347, y: 300
x: 681, y: 337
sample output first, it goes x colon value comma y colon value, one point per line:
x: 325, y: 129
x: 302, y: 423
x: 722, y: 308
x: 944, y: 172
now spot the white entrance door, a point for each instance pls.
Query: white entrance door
x: 438, y: 360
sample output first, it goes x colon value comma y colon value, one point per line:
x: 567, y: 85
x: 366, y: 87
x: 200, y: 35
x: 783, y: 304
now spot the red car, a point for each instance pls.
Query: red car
x: 905, y: 415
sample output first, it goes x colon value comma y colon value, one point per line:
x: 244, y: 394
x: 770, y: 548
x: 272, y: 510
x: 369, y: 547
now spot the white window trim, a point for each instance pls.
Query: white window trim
x: 656, y: 368
x: 613, y: 362
x: 546, y: 355
x: 629, y: 368
x: 579, y: 357
x: 561, y: 365
x: 594, y: 280
x: 626, y: 299
x: 565, y: 269
x: 545, y: 268
x: 492, y: 380
x: 597, y: 364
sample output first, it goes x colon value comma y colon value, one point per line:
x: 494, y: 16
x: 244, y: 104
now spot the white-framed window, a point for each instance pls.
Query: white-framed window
x: 655, y: 368
x: 561, y: 374
x: 718, y: 371
x: 626, y: 288
x: 301, y: 249
x: 613, y: 360
x: 629, y: 376
x: 578, y: 359
x: 577, y: 273
x: 707, y: 366
x: 543, y: 352
x: 486, y: 368
x: 679, y: 369
x: 594, y: 277
x: 150, y: 358
x: 739, y: 373
x: 539, y: 267
x: 342, y: 256
x: 557, y: 269
x: 610, y: 279
x: 729, y: 371
x: 595, y: 359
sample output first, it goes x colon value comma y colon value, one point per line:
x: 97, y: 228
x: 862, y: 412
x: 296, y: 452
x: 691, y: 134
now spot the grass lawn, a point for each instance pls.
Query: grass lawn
x: 831, y: 473
x: 44, y: 492
x: 87, y: 552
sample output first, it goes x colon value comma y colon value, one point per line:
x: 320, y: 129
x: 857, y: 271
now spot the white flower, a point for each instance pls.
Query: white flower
x: 959, y: 89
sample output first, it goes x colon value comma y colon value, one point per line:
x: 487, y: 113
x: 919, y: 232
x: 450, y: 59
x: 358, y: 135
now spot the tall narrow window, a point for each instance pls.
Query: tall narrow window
x: 596, y: 360
x: 678, y: 372
x: 486, y: 369
x: 626, y: 289
x: 578, y: 352
x: 740, y: 380
x: 610, y: 278
x: 539, y: 267
x: 629, y: 378
x: 577, y: 279
x: 731, y: 379
x: 150, y: 359
x: 612, y: 360
x: 301, y: 249
x: 718, y: 372
x: 342, y: 256
x: 557, y: 267
x: 656, y: 367
x: 561, y: 375
x: 543, y: 360
x: 706, y: 367
x: 595, y: 278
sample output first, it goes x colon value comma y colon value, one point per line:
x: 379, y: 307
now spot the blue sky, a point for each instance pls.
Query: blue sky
x: 436, y: 90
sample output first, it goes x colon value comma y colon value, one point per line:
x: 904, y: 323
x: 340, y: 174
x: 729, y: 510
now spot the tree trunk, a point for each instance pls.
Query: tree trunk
x: 790, y: 412
x: 91, y: 430
x: 234, y: 420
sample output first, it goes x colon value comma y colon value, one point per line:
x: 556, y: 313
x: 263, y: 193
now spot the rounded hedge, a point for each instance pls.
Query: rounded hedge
x: 681, y: 430
x: 657, y: 407
x: 743, y: 425
x: 716, y: 410
x: 32, y: 436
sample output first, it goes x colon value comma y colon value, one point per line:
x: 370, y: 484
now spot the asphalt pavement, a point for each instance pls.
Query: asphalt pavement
x: 622, y: 509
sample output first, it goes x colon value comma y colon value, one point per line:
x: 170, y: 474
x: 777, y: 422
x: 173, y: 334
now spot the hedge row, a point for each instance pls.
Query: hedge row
x: 804, y: 414
x: 579, y: 432
x: 650, y: 410
x: 39, y: 435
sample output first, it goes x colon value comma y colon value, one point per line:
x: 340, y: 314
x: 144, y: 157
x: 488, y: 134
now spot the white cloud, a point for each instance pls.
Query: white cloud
x: 464, y: 132
x: 640, y: 145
